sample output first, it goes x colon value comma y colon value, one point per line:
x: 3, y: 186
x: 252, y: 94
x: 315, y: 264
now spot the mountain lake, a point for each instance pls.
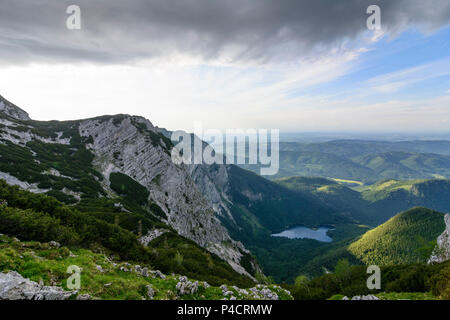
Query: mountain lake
x: 319, y: 234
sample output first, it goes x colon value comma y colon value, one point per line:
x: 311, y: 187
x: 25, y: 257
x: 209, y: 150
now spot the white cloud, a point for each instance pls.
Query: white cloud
x: 171, y: 93
x: 176, y: 93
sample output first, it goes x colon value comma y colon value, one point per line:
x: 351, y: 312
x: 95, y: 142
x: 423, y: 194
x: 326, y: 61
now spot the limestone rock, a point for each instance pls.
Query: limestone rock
x: 150, y: 291
x: 54, y: 244
x: 184, y: 286
x: 368, y: 297
x: 133, y: 146
x: 442, y: 251
x: 152, y: 235
x: 15, y: 287
x: 12, y: 110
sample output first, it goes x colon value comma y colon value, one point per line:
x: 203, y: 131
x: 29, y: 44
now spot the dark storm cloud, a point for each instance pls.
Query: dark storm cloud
x: 247, y: 30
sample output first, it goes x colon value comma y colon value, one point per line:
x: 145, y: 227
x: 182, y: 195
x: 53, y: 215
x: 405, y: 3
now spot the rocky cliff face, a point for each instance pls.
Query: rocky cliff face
x: 132, y: 146
x: 442, y: 250
x: 213, y: 182
x: 12, y: 110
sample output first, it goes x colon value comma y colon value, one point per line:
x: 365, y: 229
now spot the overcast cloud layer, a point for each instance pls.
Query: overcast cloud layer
x: 117, y: 31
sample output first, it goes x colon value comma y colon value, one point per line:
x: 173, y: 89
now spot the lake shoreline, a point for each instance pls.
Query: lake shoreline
x: 319, y: 233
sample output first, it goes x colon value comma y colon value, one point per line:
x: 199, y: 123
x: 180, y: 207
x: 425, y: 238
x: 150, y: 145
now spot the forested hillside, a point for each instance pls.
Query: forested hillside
x: 407, y: 238
x: 364, y: 161
x: 374, y: 204
x: 42, y: 218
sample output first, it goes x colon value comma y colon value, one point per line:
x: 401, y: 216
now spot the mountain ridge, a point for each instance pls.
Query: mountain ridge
x: 127, y: 144
x: 12, y: 110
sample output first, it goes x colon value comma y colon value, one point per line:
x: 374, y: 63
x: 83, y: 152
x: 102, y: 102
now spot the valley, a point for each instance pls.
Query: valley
x: 106, y: 188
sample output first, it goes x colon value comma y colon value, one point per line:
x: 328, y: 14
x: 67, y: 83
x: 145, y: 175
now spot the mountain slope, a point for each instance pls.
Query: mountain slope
x: 407, y: 238
x: 323, y: 164
x: 38, y: 217
x: 403, y: 165
x: 104, y: 277
x: 12, y: 110
x: 391, y: 196
x: 376, y: 203
x: 344, y: 200
x: 73, y: 161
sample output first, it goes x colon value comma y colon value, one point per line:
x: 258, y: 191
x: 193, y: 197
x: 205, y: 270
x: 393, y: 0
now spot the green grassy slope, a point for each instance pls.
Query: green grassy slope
x: 407, y: 238
x: 114, y: 280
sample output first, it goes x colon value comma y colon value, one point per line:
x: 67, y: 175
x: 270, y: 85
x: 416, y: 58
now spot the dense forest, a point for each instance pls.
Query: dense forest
x: 42, y: 218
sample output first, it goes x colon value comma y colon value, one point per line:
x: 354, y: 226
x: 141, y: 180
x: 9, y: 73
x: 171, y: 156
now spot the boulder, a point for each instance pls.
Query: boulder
x: 184, y: 286
x: 442, y: 251
x: 54, y: 244
x: 150, y: 291
x: 15, y: 287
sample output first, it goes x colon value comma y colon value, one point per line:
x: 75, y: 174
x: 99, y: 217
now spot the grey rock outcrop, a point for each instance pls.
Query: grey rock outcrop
x: 133, y: 146
x: 442, y: 251
x: 12, y: 110
x: 368, y: 297
x: 85, y: 296
x: 184, y: 286
x: 262, y: 292
x: 15, y: 287
x: 150, y: 291
x: 157, y: 274
x: 152, y: 235
x: 54, y: 244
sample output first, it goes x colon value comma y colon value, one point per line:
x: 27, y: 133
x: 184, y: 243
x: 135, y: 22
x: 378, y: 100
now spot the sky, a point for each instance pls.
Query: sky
x: 293, y: 65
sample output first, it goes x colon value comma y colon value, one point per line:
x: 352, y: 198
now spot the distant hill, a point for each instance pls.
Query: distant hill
x: 377, y: 203
x: 347, y: 201
x: 365, y: 161
x: 353, y: 148
x: 402, y: 165
x: 407, y: 238
x: 390, y: 196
